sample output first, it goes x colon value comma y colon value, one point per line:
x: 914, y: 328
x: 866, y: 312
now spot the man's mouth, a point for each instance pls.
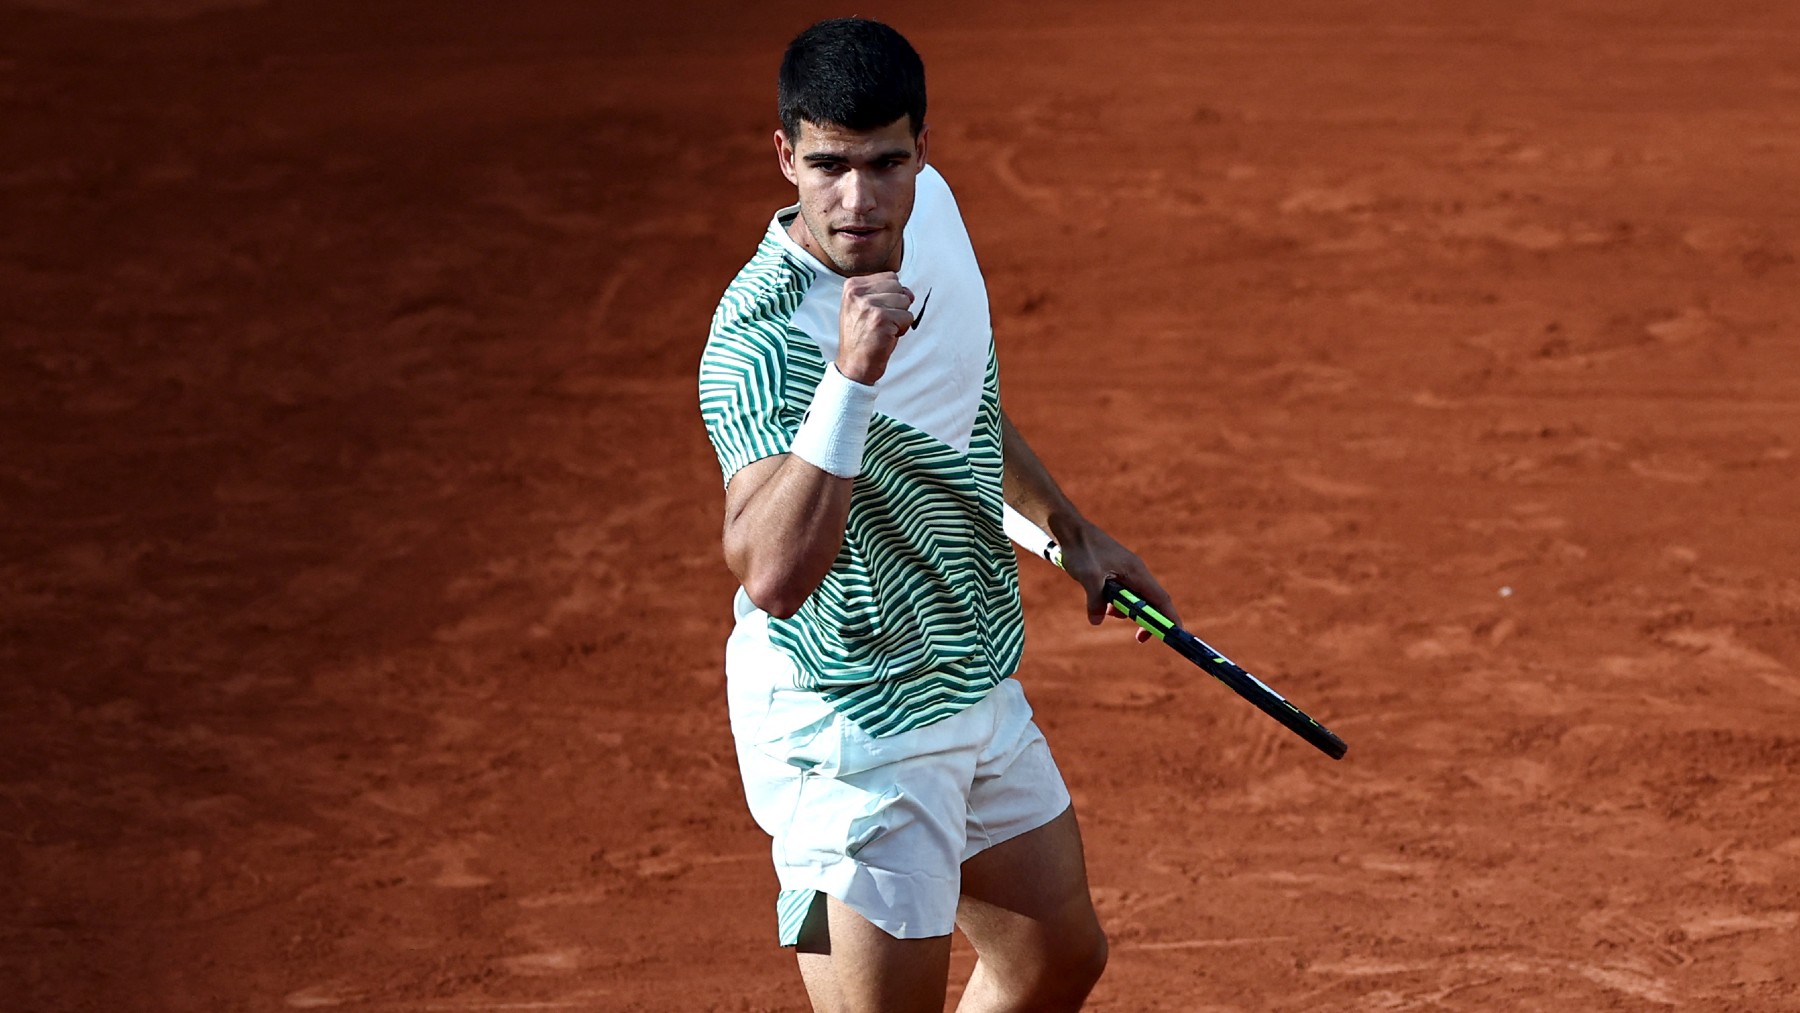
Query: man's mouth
x: 858, y: 232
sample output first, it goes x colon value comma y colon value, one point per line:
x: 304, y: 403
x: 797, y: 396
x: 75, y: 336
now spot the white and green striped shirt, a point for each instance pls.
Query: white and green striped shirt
x: 920, y: 615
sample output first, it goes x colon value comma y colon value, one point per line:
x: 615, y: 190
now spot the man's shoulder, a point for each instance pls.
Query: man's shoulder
x: 767, y: 289
x: 753, y: 324
x: 936, y: 217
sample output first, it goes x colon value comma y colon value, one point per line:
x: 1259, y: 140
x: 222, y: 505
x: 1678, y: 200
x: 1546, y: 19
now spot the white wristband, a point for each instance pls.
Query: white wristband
x: 832, y: 434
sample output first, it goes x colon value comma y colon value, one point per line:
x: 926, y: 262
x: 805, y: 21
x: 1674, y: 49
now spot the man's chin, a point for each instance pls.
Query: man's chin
x: 857, y: 261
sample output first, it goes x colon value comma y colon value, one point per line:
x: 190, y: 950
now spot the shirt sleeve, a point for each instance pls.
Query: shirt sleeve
x: 741, y: 397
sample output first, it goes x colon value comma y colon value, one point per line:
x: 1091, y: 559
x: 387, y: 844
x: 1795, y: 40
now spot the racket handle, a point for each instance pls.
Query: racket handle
x: 1138, y: 610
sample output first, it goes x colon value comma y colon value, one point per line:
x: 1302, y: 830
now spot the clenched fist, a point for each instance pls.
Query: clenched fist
x: 876, y: 310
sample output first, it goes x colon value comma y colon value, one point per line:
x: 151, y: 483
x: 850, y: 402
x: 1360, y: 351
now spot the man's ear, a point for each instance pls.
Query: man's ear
x: 784, y: 156
x: 924, y: 135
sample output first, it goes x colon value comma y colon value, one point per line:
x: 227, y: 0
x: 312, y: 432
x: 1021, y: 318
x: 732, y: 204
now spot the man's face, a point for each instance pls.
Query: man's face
x: 856, y: 191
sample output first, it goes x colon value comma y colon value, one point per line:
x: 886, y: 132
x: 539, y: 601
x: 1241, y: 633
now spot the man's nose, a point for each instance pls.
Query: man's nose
x: 859, y: 192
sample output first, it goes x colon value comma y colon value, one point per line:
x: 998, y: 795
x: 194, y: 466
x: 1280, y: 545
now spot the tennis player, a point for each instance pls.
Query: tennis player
x: 851, y: 390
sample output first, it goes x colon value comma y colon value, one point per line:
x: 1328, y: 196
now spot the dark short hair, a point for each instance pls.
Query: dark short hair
x: 853, y: 73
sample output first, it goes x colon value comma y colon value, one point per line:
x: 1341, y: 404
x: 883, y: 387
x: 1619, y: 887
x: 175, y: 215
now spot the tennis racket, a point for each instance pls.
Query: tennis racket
x: 1209, y: 659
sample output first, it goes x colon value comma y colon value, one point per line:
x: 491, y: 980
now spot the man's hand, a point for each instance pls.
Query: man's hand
x: 1093, y: 556
x: 876, y: 310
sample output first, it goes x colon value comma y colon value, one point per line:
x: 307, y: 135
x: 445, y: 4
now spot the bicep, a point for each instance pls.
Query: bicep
x: 746, y: 483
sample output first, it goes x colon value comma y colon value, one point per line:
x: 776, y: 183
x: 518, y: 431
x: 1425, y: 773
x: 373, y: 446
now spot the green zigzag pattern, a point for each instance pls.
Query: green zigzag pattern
x: 920, y: 615
x: 742, y: 399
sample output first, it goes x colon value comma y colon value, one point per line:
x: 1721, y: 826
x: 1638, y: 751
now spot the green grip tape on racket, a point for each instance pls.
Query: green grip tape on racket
x: 1139, y: 611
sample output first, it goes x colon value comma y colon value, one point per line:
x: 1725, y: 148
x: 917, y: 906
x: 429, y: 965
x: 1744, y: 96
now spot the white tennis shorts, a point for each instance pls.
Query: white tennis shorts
x: 882, y: 824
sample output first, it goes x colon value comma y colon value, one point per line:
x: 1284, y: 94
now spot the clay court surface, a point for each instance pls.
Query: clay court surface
x: 361, y: 606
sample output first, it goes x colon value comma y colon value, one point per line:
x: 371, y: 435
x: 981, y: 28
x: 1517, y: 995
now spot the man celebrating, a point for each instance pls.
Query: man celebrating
x: 851, y: 390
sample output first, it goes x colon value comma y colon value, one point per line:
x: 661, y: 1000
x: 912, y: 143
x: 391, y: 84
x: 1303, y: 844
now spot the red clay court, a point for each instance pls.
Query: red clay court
x: 362, y: 603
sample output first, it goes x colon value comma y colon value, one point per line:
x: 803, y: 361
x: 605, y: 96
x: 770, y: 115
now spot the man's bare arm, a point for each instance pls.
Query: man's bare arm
x: 784, y: 515
x: 784, y: 524
x: 1031, y: 490
x: 1090, y: 555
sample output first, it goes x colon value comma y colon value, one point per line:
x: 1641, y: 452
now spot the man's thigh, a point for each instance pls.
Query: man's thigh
x: 1026, y: 909
x: 849, y: 965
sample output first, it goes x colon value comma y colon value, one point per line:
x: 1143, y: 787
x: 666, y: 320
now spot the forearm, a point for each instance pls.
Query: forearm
x: 1030, y: 489
x: 1089, y: 555
x: 784, y: 531
x: 785, y: 514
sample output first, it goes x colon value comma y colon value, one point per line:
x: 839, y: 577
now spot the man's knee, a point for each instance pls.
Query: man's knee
x: 1088, y: 962
x: 1065, y: 980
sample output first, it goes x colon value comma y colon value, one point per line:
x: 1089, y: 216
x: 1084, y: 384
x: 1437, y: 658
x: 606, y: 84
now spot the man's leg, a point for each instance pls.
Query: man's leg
x: 850, y: 966
x: 1026, y: 909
